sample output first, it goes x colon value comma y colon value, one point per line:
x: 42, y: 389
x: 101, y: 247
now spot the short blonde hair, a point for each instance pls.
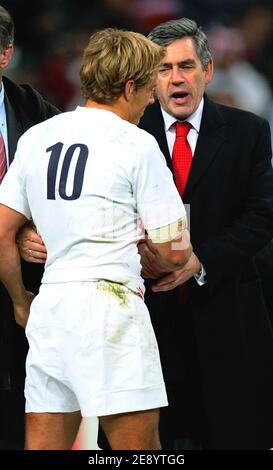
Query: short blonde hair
x: 113, y: 57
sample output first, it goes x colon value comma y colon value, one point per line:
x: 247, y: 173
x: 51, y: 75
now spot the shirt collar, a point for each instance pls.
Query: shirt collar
x: 194, y: 119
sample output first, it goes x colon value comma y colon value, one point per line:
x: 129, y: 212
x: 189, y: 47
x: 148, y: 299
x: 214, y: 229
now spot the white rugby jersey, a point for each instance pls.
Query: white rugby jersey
x: 86, y: 178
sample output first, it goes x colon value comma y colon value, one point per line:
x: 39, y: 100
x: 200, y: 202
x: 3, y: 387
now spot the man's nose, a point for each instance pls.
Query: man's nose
x: 177, y: 76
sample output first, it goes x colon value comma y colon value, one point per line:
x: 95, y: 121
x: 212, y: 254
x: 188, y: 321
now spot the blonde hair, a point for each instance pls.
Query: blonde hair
x: 113, y: 57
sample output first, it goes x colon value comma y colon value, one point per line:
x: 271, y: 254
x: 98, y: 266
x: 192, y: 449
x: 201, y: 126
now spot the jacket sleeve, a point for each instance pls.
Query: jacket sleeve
x: 40, y: 107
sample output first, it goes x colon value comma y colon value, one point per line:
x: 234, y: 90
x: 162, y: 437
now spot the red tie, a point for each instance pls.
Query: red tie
x: 3, y: 161
x: 182, y: 156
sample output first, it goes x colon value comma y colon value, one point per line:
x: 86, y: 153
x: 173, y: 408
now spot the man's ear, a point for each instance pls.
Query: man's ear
x: 129, y: 90
x: 5, y: 57
x: 209, y: 72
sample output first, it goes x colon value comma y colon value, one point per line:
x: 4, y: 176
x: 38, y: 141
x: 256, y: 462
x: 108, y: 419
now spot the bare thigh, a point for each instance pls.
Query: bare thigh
x: 137, y: 430
x: 51, y: 431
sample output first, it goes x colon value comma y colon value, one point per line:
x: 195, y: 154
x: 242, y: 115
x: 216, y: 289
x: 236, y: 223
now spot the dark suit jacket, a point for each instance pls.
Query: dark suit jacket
x: 264, y: 263
x: 24, y: 108
x: 230, y: 192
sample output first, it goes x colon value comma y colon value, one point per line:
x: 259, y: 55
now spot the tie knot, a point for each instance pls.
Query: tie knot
x: 182, y: 128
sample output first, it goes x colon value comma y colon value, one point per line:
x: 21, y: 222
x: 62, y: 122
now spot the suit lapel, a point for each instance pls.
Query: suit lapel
x: 15, y: 128
x: 211, y: 136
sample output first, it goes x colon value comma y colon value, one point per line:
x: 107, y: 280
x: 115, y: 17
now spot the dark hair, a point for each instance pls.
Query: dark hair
x: 166, y: 33
x: 6, y: 29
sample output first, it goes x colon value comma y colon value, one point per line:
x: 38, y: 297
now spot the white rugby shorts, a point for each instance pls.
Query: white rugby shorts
x: 92, y: 348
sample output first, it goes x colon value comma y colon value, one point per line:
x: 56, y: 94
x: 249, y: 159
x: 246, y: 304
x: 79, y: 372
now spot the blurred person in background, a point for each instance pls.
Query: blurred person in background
x: 214, y: 334
x: 256, y: 28
x: 20, y: 107
x: 236, y: 82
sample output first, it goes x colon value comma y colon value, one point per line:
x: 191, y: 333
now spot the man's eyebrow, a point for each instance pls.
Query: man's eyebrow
x: 182, y: 62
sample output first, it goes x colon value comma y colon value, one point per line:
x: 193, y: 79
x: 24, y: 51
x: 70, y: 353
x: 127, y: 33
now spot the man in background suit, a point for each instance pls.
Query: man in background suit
x: 20, y: 108
x: 214, y: 334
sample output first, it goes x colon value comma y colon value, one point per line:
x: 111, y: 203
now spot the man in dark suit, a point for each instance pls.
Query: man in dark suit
x: 20, y: 108
x: 214, y: 333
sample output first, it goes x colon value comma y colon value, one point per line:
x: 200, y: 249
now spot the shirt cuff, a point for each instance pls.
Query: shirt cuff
x: 201, y: 276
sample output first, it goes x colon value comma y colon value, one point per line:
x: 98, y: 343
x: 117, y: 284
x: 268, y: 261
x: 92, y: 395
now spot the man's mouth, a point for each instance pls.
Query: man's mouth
x: 179, y: 97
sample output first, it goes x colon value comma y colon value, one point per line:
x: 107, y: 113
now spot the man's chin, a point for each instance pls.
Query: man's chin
x: 180, y: 111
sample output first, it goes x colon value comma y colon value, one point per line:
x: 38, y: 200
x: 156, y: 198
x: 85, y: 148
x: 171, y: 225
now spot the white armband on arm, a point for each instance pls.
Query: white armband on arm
x: 171, y: 232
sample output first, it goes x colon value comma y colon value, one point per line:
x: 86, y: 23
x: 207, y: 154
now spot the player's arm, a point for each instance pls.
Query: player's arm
x: 10, y: 266
x: 161, y: 211
x: 170, y: 245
